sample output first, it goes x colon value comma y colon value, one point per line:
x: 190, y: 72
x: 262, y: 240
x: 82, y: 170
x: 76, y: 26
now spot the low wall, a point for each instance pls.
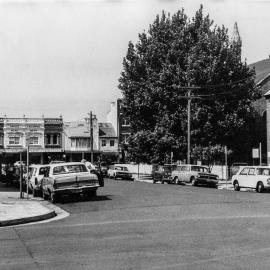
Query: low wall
x: 146, y: 169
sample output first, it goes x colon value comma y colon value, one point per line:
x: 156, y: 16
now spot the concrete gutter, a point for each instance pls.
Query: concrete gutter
x: 18, y: 221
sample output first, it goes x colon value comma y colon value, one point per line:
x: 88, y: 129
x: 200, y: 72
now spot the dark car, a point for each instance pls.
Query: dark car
x: 162, y: 173
x: 102, y: 167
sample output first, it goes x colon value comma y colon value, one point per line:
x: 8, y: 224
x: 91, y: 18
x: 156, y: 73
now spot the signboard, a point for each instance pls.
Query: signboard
x: 255, y: 152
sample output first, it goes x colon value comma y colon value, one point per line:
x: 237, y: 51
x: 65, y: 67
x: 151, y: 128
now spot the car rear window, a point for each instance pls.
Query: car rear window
x: 121, y: 168
x: 59, y: 170
x: 263, y: 171
x: 76, y: 168
x: 199, y: 169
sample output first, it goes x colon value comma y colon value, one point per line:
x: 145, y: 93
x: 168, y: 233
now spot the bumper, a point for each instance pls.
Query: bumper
x: 78, y: 190
x: 207, y: 181
x: 124, y: 176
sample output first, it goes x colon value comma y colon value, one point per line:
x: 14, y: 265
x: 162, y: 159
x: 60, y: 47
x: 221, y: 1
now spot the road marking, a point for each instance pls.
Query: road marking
x: 160, y: 220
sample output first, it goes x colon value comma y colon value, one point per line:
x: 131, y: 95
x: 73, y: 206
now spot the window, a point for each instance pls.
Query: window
x: 80, y: 142
x: 125, y: 122
x: 244, y: 171
x: 103, y: 143
x: 183, y: 168
x: 263, y: 171
x: 251, y: 171
x: 14, y: 140
x: 76, y: 168
x: 55, y: 139
x: 33, y: 140
x: 111, y: 142
x: 125, y: 137
x: 59, y: 170
x: 52, y: 139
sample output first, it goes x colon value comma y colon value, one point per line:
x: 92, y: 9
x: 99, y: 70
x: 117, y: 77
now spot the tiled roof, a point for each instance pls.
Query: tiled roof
x: 106, y: 130
x: 76, y: 129
x: 262, y: 69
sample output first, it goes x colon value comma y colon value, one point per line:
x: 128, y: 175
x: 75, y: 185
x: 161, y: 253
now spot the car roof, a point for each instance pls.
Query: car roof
x: 65, y: 164
x: 256, y: 167
x: 38, y: 165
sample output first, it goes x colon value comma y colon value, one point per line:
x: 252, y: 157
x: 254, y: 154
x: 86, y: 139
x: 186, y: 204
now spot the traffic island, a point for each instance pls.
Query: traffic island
x: 16, y: 211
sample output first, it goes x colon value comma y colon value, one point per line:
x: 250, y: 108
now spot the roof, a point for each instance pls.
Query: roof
x: 106, y: 130
x: 77, y: 130
x: 262, y: 69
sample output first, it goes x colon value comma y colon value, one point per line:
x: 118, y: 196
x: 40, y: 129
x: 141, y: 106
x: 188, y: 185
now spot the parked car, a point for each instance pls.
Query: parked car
x: 119, y: 171
x: 95, y: 170
x: 256, y: 177
x: 36, y: 174
x: 194, y: 174
x: 234, y: 168
x: 104, y: 168
x: 162, y: 173
x: 69, y: 178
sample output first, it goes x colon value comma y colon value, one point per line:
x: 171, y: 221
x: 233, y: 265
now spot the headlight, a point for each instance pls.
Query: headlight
x: 268, y: 181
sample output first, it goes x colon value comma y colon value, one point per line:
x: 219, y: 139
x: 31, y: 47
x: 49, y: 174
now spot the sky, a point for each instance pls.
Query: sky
x: 64, y: 57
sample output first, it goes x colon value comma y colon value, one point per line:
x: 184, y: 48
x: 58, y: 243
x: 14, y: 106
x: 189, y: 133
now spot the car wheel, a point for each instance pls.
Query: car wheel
x: 213, y: 185
x: 193, y: 181
x: 236, y: 186
x: 260, y: 187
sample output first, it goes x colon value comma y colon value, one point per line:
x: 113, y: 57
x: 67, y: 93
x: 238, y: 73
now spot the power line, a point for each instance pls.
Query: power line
x: 212, y: 85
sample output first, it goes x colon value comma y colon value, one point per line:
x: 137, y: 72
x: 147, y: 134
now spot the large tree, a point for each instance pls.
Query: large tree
x: 177, y: 55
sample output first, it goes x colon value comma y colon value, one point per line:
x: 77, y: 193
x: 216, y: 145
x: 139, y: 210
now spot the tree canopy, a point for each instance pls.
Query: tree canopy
x: 175, y: 55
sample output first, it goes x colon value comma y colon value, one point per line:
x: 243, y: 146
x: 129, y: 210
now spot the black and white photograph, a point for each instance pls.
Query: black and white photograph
x: 134, y: 134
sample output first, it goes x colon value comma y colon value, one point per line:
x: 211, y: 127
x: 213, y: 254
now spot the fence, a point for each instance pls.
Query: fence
x: 145, y: 171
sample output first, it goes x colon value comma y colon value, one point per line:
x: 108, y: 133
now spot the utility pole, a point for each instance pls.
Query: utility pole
x: 226, y: 164
x: 91, y: 136
x: 21, y: 175
x: 27, y: 170
x: 260, y: 150
x: 188, y: 127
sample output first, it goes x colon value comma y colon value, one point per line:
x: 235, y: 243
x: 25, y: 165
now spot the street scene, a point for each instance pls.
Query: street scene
x: 134, y: 135
x: 138, y: 225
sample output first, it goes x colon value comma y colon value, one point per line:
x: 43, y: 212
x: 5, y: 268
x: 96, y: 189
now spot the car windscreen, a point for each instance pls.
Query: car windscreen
x: 263, y: 171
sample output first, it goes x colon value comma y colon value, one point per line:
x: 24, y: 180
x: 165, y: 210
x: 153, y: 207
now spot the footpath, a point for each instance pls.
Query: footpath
x: 15, y: 211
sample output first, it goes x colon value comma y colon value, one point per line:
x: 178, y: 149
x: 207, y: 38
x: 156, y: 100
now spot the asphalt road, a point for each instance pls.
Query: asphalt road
x: 134, y: 225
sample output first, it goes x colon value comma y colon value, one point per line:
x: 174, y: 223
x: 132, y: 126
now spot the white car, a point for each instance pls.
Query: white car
x: 69, y: 178
x: 119, y: 171
x: 36, y: 174
x: 257, y: 177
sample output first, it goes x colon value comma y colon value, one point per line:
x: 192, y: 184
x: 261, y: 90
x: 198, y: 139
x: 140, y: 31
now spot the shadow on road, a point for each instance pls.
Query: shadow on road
x: 73, y: 199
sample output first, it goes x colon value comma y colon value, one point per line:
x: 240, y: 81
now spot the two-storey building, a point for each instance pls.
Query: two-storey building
x: 77, y: 140
x: 19, y: 133
x: 108, y: 143
x: 121, y: 124
x: 53, y: 139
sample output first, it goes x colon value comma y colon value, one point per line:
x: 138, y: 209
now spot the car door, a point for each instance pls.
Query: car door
x: 243, y: 177
x: 251, y: 178
x: 185, y: 172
